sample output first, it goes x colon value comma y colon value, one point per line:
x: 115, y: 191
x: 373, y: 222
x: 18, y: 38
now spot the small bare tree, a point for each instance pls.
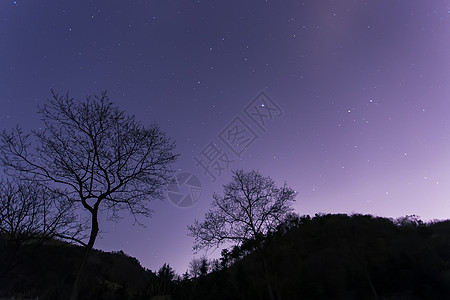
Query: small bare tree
x: 199, y: 266
x: 103, y: 157
x: 252, y: 206
x: 31, y: 214
x: 194, y: 267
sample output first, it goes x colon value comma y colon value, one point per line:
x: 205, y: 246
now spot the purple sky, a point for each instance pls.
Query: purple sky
x: 363, y: 87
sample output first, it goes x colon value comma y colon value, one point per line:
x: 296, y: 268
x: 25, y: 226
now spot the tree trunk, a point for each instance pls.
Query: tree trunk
x: 87, y: 252
x: 267, y: 278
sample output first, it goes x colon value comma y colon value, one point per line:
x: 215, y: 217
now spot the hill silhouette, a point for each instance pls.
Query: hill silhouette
x: 328, y: 256
x: 49, y: 272
x: 339, y: 257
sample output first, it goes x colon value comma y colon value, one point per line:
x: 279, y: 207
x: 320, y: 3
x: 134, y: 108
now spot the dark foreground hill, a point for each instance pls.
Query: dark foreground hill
x: 325, y: 257
x: 48, y: 273
x: 339, y: 257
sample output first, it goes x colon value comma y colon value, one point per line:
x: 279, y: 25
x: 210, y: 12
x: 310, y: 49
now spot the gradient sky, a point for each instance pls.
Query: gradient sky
x: 363, y: 89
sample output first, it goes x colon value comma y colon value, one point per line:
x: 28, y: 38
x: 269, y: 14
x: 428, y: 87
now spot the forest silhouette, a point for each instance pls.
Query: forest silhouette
x: 328, y: 256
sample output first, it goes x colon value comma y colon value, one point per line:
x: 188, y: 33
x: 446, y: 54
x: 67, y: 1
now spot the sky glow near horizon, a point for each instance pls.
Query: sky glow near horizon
x: 364, y: 87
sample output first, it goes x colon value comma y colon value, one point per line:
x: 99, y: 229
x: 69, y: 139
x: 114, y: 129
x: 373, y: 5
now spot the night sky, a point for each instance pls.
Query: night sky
x: 347, y: 101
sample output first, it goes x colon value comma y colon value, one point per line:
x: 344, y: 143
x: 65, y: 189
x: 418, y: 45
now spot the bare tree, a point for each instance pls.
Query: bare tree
x: 103, y: 157
x: 252, y: 207
x: 199, y: 266
x: 194, y: 267
x: 31, y: 214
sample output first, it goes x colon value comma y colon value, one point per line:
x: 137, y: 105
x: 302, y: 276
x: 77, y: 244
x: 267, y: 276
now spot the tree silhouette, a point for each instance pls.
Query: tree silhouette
x: 160, y: 283
x: 205, y: 266
x: 104, y: 158
x: 195, y: 266
x: 166, y: 277
x: 252, y: 206
x: 31, y: 214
